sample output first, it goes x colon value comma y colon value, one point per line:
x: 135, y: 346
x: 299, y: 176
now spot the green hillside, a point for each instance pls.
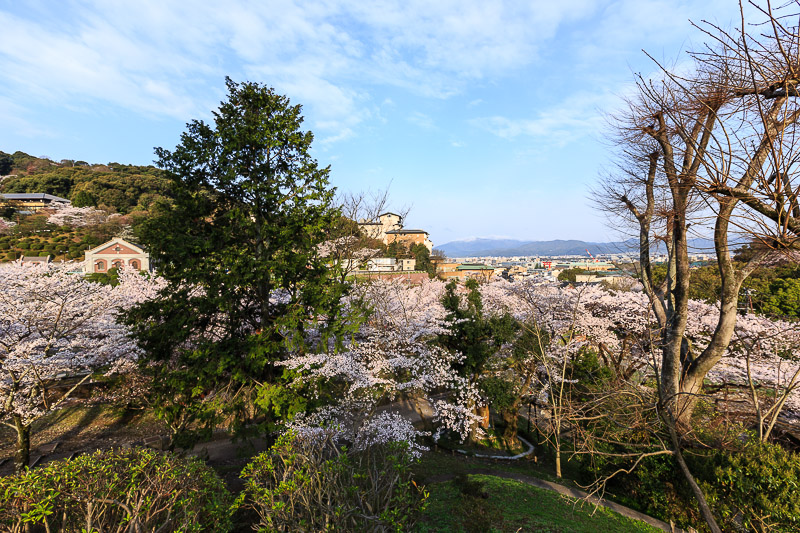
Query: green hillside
x: 122, y: 188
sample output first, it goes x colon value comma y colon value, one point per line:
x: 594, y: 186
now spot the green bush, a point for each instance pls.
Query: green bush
x: 45, y: 253
x: 117, y: 490
x: 754, y: 488
x: 24, y: 245
x: 37, y: 246
x: 302, y: 484
x: 750, y: 486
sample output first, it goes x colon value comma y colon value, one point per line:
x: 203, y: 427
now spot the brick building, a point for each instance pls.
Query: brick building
x: 114, y: 254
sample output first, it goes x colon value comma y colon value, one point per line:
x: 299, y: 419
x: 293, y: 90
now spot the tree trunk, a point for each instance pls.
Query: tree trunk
x: 483, y: 412
x: 22, y: 458
x: 510, y: 433
x: 705, y: 510
x: 558, y: 458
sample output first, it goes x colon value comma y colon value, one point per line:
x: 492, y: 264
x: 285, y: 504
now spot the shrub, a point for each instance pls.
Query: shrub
x: 304, y: 484
x: 140, y: 489
x: 753, y: 488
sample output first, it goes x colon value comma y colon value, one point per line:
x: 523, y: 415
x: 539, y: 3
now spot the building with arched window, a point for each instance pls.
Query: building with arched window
x: 115, y: 253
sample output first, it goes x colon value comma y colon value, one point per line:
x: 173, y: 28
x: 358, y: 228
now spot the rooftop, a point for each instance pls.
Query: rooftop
x: 33, y: 196
x: 475, y: 267
x: 398, y: 231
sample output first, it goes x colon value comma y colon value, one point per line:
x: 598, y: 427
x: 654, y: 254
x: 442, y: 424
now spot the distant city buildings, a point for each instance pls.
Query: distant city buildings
x: 389, y: 229
x: 32, y: 202
x: 465, y: 271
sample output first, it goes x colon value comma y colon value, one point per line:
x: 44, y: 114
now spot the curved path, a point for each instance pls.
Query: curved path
x: 566, y: 491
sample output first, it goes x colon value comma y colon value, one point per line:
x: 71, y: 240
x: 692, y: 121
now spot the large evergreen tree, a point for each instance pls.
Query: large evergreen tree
x: 6, y: 164
x: 237, y: 242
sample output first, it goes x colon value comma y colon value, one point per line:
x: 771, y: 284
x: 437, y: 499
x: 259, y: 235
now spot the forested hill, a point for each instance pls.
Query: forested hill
x: 125, y: 188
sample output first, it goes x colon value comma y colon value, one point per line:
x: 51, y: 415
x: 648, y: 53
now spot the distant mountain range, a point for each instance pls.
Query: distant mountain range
x: 482, y: 247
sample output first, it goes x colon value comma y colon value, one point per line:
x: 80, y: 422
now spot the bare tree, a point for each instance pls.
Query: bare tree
x: 349, y: 246
x: 710, y: 148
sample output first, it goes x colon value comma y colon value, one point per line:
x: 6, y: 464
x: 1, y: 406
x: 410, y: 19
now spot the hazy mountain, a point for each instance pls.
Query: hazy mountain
x: 470, y: 246
x: 511, y: 247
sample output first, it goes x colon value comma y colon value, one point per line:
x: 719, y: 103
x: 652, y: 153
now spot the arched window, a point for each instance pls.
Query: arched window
x: 134, y: 263
x: 117, y: 264
x: 100, y: 266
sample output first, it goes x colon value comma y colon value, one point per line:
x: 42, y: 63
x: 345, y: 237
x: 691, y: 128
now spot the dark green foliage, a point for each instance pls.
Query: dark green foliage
x: 773, y: 291
x: 570, y: 273
x: 237, y: 243
x: 501, y: 393
x: 114, y: 489
x: 782, y: 298
x: 705, y: 284
x: 469, y: 331
x: 590, y: 374
x: 56, y: 184
x: 83, y: 199
x: 106, y: 278
x: 749, y: 485
x: 755, y: 486
x: 312, y: 484
x: 423, y: 257
x: 6, y: 164
x: 398, y: 250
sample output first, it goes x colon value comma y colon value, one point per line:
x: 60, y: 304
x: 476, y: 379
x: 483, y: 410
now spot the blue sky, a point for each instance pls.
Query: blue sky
x: 485, y: 118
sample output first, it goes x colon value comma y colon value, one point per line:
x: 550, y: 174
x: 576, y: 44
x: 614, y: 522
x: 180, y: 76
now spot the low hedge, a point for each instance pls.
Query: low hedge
x: 116, y: 490
x: 308, y: 484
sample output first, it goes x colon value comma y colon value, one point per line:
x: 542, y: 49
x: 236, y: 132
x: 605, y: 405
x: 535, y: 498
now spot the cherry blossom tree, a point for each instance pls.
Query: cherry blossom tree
x: 6, y: 225
x: 555, y: 326
x: 80, y: 216
x: 56, y: 329
x: 391, y: 357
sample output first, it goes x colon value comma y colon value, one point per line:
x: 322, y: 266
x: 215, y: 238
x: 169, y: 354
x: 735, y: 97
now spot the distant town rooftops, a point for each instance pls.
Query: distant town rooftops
x: 466, y: 266
x: 401, y: 231
x: 33, y: 197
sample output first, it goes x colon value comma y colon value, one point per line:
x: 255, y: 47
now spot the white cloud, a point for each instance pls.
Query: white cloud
x: 422, y: 120
x: 157, y: 57
x: 569, y: 120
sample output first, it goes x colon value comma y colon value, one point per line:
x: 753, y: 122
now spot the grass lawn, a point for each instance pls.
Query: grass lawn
x: 442, y: 463
x: 481, y: 503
